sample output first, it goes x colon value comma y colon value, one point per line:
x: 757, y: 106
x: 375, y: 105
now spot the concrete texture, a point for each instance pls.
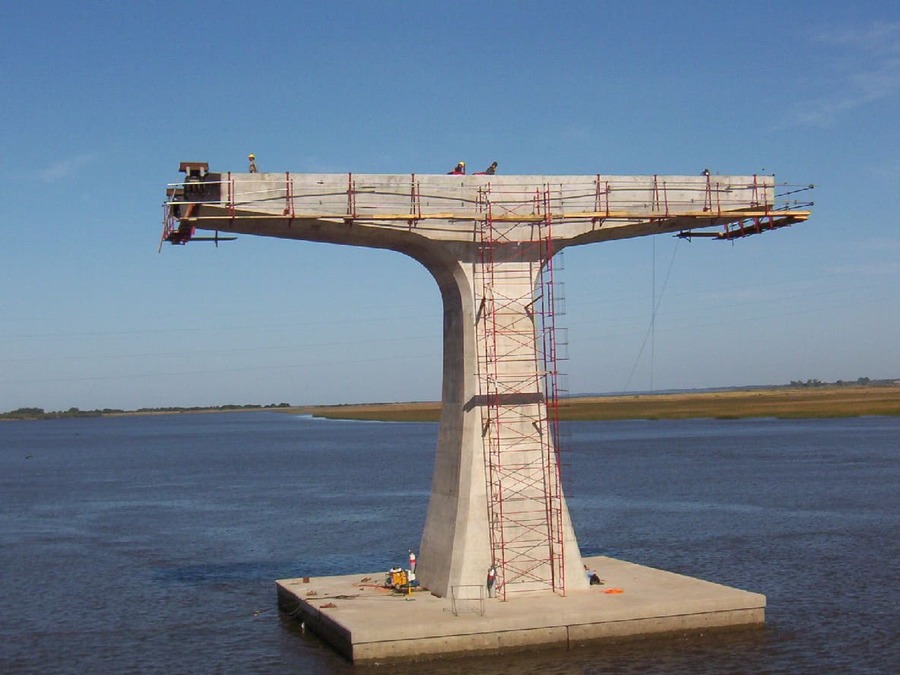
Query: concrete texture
x: 365, y: 622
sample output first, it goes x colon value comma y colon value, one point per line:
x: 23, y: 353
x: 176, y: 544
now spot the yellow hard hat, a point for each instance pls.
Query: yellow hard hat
x: 463, y: 163
x: 251, y: 156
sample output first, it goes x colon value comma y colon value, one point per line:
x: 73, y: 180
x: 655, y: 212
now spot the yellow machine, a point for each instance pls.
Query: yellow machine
x: 396, y: 579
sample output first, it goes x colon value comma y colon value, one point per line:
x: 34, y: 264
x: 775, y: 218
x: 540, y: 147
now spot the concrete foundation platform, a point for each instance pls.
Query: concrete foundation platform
x: 365, y: 622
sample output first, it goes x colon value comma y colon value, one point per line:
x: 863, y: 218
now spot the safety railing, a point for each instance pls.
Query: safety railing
x: 742, y: 205
x: 418, y: 198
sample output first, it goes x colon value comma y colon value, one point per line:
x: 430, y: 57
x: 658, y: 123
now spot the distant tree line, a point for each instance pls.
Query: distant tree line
x: 858, y: 382
x: 41, y: 414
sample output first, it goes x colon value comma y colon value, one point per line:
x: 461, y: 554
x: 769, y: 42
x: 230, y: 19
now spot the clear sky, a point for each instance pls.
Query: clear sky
x: 102, y: 100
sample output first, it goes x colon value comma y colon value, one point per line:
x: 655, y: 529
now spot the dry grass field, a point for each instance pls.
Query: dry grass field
x: 785, y: 402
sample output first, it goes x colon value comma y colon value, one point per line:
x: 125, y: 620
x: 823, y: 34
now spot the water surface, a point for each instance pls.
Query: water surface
x: 150, y: 544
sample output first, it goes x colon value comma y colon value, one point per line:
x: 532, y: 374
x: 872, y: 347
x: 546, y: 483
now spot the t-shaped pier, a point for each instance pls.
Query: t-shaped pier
x: 497, y: 519
x: 497, y: 516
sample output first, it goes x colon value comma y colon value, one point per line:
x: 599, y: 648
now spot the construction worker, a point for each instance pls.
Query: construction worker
x: 458, y: 170
x: 490, y: 171
x: 252, y: 159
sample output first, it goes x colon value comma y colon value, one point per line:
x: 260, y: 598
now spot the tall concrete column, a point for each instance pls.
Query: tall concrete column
x: 456, y: 544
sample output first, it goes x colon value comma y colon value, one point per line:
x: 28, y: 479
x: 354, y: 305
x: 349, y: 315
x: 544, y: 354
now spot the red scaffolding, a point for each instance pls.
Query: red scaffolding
x: 517, y: 366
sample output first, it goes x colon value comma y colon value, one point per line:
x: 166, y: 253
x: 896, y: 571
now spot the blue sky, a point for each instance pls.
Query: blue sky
x: 102, y: 100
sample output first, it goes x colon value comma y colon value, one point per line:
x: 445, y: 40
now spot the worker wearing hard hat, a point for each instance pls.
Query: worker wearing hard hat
x: 490, y: 171
x: 458, y: 170
x: 252, y: 159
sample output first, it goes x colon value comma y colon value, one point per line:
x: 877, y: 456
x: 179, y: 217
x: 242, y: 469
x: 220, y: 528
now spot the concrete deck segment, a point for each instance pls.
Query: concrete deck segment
x: 364, y: 622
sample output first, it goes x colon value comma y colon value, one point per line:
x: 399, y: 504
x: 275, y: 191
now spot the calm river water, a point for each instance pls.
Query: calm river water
x: 150, y: 544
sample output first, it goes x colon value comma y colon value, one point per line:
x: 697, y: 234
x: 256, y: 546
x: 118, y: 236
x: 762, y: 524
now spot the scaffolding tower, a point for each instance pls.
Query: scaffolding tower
x: 518, y: 383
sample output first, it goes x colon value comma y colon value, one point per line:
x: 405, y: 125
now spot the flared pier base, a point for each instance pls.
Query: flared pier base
x: 365, y: 623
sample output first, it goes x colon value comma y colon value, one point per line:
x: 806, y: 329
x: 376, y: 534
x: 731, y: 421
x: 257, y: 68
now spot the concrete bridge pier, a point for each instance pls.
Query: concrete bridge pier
x: 496, y: 497
x: 456, y: 547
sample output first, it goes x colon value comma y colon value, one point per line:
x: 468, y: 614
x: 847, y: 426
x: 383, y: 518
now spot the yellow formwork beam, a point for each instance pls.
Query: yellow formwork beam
x: 579, y: 215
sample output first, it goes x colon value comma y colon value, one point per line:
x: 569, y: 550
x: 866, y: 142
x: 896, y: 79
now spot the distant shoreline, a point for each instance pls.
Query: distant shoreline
x: 779, y: 402
x: 791, y: 402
